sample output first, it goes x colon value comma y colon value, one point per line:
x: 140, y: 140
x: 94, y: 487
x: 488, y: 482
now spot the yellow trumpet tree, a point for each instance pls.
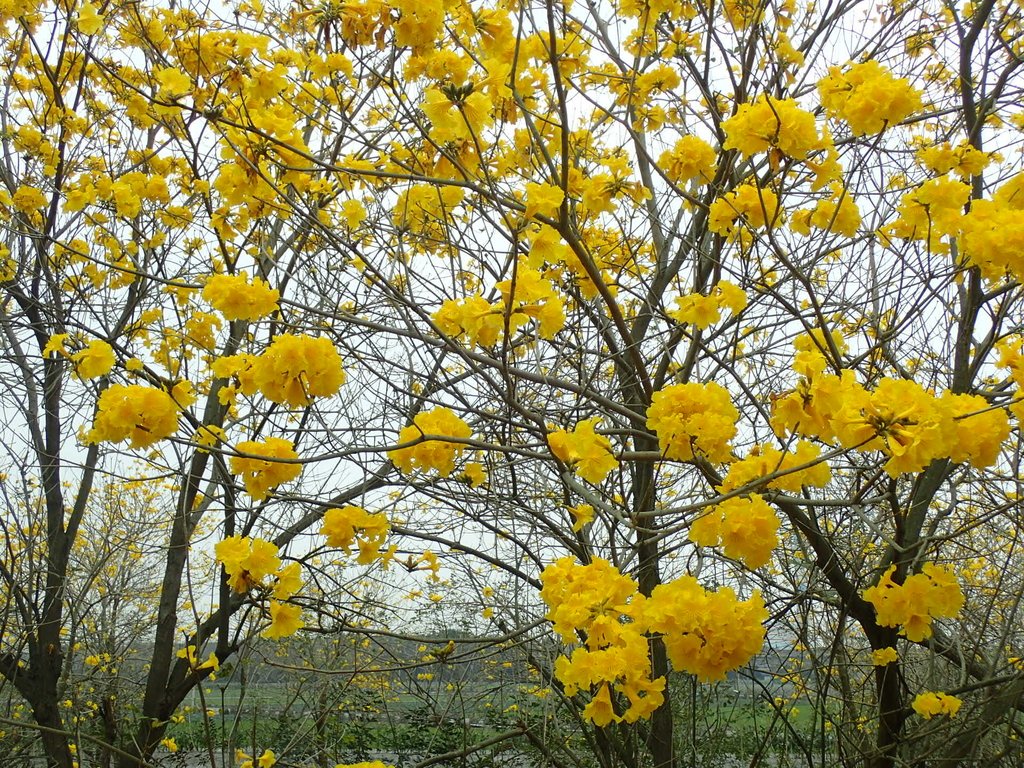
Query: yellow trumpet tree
x: 651, y: 329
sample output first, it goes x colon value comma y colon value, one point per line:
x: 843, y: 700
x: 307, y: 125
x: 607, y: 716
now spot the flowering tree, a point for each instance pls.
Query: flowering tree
x: 652, y: 324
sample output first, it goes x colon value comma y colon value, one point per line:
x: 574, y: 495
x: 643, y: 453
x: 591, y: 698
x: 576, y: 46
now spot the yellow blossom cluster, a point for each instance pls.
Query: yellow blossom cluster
x: 424, y: 210
x: 766, y: 123
x: 238, y: 298
x: 744, y: 526
x: 419, y: 24
x: 933, y: 593
x: 691, y: 158
x: 1011, y: 357
x: 706, y: 633
x: 188, y: 653
x: 347, y: 525
x: 963, y: 160
x: 94, y: 360
x: 867, y: 97
x: 134, y: 412
x: 746, y: 206
x: 292, y: 371
x: 764, y: 460
x: 931, y: 704
x: 264, y: 470
x: 930, y: 213
x: 884, y: 656
x: 589, y: 454
x: 250, y: 563
x: 593, y: 598
x: 838, y: 213
x: 209, y: 436
x: 457, y: 113
x: 900, y: 418
x: 743, y: 13
x: 704, y: 311
x: 580, y: 596
x: 693, y: 420
x: 531, y: 295
x: 543, y: 200
x: 992, y: 233
x: 267, y: 760
x: 438, y: 455
x: 482, y: 322
x: 295, y: 369
x: 247, y: 561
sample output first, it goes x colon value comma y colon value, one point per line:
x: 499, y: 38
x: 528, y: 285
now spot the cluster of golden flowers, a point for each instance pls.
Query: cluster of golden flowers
x: 350, y: 525
x: 705, y: 633
x: 693, y: 420
x: 293, y: 370
x: 249, y: 564
x: 867, y: 97
x: 932, y: 704
x: 588, y: 453
x: 901, y: 419
x: 744, y: 527
x: 263, y: 469
x: 424, y: 454
x: 143, y: 415
x: 932, y: 593
x: 238, y: 298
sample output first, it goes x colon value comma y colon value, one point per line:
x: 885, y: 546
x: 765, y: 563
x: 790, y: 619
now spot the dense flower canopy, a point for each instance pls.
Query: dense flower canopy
x: 639, y: 340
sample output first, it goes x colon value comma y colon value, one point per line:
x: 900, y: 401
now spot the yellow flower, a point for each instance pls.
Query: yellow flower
x: 29, y: 200
x: 209, y: 436
x: 438, y: 455
x: 55, y: 345
x: 693, y: 418
x: 587, y: 452
x: 582, y: 515
x: 95, y: 360
x: 289, y: 581
x: 743, y: 13
x: 766, y: 460
x: 247, y: 561
x: 295, y: 369
x: 705, y: 633
x: 745, y: 527
x: 474, y: 474
x: 747, y: 203
x: 933, y: 593
x: 261, y: 472
x: 543, y: 200
x: 235, y: 297
x: 351, y: 524
x: 285, y: 621
x: 483, y: 323
x: 173, y: 82
x: 931, y: 704
x: 690, y: 158
x: 884, y: 656
x: 768, y: 122
x: 697, y: 310
x: 867, y: 97
x: 600, y: 710
x: 137, y: 413
x: 89, y: 20
x: 838, y: 214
